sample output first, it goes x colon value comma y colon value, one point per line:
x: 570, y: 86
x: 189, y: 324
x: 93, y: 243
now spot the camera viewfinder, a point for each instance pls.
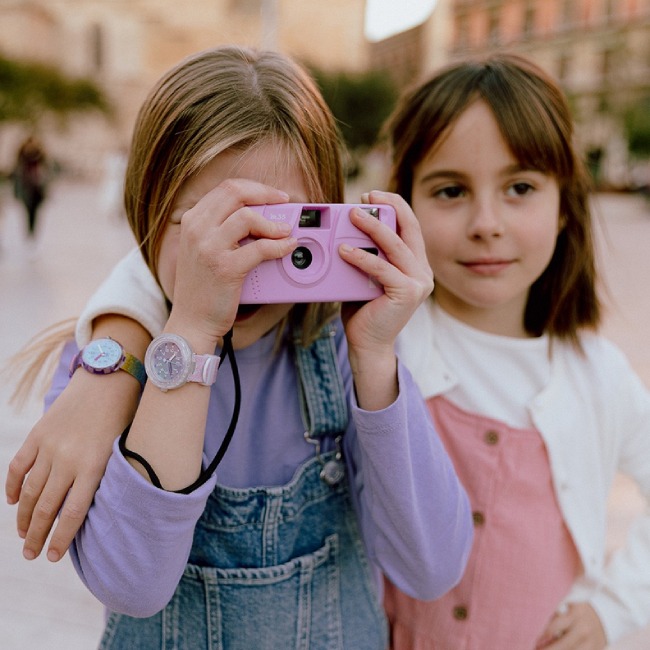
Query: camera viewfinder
x: 309, y: 218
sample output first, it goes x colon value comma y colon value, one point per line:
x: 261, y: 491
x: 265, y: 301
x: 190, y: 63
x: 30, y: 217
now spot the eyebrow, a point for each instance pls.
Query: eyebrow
x: 515, y: 168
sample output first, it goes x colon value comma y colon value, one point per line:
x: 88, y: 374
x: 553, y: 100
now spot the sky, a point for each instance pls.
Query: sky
x: 387, y: 17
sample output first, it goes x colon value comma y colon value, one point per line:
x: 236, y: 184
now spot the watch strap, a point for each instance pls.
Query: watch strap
x: 134, y: 367
x: 206, y: 367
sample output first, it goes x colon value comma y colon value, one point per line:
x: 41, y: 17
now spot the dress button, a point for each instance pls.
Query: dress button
x: 478, y: 517
x: 460, y: 612
x: 492, y: 437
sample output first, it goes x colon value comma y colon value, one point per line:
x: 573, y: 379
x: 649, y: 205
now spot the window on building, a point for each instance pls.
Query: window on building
x: 462, y: 31
x: 493, y: 25
x: 606, y: 62
x: 97, y: 47
x: 563, y: 67
x: 568, y: 14
x: 245, y: 6
x: 529, y: 18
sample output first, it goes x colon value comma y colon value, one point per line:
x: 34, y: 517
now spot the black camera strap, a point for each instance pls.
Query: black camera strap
x: 226, y: 351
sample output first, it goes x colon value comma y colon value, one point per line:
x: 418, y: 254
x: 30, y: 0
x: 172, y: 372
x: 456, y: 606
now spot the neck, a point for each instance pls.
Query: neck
x: 504, y: 320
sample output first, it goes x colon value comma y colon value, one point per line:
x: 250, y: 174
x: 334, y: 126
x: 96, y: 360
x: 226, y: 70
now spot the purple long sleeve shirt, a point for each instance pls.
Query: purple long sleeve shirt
x: 414, y: 514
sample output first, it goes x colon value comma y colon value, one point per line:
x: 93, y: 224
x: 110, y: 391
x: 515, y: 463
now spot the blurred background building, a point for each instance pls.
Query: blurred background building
x: 599, y: 50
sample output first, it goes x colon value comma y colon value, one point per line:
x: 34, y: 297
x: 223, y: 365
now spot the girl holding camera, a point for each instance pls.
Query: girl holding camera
x: 334, y: 473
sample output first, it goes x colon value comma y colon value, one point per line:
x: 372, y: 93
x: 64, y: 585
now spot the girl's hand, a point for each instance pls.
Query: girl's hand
x: 406, y: 276
x: 59, y: 466
x: 209, y: 254
x: 579, y: 628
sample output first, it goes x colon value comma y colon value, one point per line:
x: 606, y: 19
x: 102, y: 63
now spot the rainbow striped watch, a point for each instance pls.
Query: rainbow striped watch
x: 106, y: 355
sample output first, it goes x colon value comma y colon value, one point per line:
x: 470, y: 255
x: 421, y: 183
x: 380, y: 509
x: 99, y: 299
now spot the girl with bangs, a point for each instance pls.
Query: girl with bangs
x: 537, y: 411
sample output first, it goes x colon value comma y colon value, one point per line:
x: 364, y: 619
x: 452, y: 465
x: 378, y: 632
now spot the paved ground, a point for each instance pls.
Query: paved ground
x: 43, y: 605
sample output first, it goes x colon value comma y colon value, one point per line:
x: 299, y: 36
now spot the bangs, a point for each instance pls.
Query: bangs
x: 536, y: 137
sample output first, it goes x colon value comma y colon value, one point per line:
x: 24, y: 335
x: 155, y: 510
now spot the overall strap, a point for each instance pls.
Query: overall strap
x: 322, y: 394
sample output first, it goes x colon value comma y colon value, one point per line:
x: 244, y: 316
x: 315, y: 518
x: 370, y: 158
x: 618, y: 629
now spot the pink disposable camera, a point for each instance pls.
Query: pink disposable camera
x: 315, y: 272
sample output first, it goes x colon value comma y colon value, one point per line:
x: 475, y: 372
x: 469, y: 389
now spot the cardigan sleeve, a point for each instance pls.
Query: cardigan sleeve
x: 130, y: 290
x: 623, y: 597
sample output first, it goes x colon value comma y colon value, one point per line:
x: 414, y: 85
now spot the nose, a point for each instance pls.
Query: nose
x: 485, y: 220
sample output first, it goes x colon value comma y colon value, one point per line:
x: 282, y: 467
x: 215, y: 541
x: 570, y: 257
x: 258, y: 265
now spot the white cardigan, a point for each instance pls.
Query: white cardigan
x: 594, y: 416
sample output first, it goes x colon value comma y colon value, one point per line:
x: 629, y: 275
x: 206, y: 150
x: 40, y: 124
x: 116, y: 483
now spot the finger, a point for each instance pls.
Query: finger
x: 393, y: 246
x: 403, y: 271
x: 259, y: 250
x: 44, y: 513
x: 408, y: 226
x: 234, y: 193
x: 71, y: 517
x: 19, y: 467
x: 555, y: 633
x: 29, y: 496
x: 248, y: 223
x: 384, y: 273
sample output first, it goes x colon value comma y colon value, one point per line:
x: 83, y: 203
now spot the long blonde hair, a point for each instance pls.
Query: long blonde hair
x: 227, y: 98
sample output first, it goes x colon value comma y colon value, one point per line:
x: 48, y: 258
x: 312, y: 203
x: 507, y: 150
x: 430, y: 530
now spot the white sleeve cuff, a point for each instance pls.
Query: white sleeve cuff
x: 130, y: 290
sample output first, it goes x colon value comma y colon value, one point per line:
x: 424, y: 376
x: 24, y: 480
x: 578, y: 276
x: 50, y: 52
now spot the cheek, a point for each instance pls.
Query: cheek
x: 436, y: 242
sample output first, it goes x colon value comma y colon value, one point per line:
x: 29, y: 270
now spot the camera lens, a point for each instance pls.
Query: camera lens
x: 301, y: 257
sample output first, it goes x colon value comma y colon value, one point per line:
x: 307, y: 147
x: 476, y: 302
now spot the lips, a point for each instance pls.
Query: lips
x: 487, y: 266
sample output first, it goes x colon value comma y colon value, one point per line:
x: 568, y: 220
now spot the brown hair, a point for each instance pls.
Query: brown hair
x: 535, y: 120
x: 229, y: 98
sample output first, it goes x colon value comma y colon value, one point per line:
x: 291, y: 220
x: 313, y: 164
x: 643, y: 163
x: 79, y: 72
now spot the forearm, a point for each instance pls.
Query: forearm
x: 413, y: 508
x: 97, y: 389
x: 375, y: 377
x: 168, y: 430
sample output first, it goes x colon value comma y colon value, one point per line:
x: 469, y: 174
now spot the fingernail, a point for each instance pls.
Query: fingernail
x: 22, y: 533
x: 346, y: 248
x: 28, y: 554
x: 53, y: 556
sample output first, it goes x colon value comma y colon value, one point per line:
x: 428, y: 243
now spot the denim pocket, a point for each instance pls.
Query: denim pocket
x: 291, y: 605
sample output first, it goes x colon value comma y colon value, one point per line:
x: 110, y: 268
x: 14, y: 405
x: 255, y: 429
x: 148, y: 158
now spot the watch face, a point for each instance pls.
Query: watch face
x: 168, y: 361
x: 102, y: 356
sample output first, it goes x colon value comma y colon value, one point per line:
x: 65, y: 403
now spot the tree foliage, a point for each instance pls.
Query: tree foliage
x: 29, y: 90
x: 360, y: 102
x: 637, y: 127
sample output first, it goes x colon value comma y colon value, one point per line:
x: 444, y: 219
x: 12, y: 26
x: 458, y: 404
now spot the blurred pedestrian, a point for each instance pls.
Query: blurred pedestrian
x: 30, y: 180
x: 112, y: 190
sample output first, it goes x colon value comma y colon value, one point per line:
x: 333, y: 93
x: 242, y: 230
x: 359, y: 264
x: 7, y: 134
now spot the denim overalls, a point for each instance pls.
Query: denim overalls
x: 277, y: 568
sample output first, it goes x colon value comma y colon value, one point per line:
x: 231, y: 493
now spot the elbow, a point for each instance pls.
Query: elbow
x: 134, y: 603
x: 132, y: 595
x: 136, y: 610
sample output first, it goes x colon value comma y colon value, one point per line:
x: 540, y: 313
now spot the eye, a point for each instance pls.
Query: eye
x: 520, y: 189
x: 449, y: 192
